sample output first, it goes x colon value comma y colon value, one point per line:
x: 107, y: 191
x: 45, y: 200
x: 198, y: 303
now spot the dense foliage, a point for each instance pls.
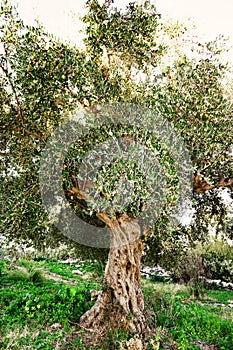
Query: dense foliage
x: 43, y: 81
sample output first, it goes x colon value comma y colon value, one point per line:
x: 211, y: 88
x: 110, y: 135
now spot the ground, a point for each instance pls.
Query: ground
x: 41, y: 302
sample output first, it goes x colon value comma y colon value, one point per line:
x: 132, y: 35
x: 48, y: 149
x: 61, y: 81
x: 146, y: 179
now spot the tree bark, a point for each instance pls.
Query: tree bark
x: 120, y: 304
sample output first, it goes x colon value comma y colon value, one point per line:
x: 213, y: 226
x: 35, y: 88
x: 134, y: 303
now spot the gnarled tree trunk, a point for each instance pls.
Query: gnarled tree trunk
x: 120, y: 304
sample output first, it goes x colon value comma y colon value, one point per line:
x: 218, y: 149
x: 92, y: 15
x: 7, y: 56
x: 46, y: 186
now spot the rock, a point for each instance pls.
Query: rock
x: 69, y: 261
x: 132, y: 344
x: 77, y: 272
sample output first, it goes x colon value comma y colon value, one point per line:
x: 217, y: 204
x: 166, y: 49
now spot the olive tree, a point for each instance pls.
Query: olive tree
x: 62, y: 99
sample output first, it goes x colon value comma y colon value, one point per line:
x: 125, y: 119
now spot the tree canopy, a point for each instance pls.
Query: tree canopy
x: 42, y: 80
x: 120, y: 73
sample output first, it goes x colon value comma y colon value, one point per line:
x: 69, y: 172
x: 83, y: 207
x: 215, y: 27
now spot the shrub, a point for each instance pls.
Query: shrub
x: 218, y: 261
x: 189, y: 268
x: 213, y: 260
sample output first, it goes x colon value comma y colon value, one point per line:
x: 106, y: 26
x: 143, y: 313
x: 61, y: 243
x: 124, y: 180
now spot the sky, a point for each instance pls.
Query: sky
x: 212, y: 17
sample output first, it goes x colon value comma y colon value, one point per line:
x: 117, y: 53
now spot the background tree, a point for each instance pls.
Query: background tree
x: 43, y: 80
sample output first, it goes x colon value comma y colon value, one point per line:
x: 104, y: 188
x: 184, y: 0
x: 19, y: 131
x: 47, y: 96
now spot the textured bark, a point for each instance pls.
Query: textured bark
x: 120, y: 304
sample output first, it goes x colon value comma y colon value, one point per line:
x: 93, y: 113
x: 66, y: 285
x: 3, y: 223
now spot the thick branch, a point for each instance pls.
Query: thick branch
x: 200, y: 185
x: 225, y: 182
x: 81, y: 195
x: 105, y: 218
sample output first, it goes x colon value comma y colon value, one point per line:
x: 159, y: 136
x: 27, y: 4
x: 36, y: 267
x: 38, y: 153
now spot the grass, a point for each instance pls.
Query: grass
x: 40, y: 313
x: 64, y: 270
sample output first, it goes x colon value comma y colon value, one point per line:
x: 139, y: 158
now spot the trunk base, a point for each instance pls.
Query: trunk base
x: 107, y: 314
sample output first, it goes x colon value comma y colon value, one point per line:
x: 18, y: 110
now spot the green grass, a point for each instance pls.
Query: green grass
x: 187, y: 319
x: 64, y: 270
x: 39, y: 313
x: 220, y: 296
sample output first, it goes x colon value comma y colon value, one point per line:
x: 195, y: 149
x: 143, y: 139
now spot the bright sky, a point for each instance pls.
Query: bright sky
x: 213, y: 17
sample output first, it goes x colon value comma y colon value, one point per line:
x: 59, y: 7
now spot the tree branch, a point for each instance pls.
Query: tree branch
x: 38, y: 136
x: 6, y: 72
x: 200, y: 185
x: 104, y: 218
